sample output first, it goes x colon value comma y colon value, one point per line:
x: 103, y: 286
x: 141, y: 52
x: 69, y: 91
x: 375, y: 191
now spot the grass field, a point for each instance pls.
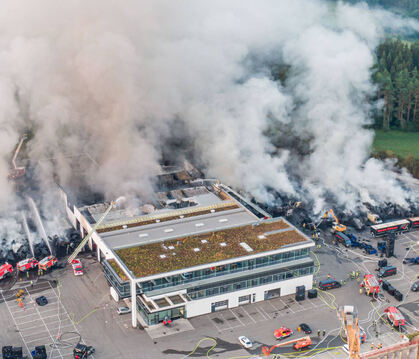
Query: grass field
x: 400, y: 143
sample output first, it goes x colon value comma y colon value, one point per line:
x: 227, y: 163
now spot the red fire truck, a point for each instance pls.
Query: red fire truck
x: 5, y: 270
x: 27, y: 264
x: 394, y: 317
x: 414, y: 222
x: 371, y: 285
x: 47, y: 263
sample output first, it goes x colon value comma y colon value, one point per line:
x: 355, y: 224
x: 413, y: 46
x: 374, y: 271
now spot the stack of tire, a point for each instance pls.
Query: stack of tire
x: 392, y: 291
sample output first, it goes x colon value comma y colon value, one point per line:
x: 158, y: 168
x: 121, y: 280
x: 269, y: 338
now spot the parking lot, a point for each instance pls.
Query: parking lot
x: 86, y: 299
x: 255, y: 313
x: 41, y: 325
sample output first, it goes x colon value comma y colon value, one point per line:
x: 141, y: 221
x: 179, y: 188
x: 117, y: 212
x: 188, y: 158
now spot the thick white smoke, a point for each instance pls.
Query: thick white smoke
x: 112, y: 79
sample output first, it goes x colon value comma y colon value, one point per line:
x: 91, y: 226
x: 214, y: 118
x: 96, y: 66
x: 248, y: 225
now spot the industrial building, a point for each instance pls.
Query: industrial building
x: 199, y: 248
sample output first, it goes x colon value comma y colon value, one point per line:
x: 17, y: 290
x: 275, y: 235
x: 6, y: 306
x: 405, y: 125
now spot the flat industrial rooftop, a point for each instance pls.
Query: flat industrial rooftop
x: 206, y: 248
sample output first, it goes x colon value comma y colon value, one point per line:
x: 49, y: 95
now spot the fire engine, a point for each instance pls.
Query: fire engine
x: 27, y: 264
x: 371, y: 285
x: 77, y: 267
x: 394, y: 317
x: 282, y: 333
x: 5, y: 270
x: 47, y: 262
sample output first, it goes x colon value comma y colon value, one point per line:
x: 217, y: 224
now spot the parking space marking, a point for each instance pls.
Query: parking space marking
x: 26, y: 346
x: 40, y: 339
x: 249, y: 315
x: 270, y: 302
x: 264, y: 311
x: 257, y: 308
x: 286, y: 306
x: 237, y: 318
x: 44, y: 323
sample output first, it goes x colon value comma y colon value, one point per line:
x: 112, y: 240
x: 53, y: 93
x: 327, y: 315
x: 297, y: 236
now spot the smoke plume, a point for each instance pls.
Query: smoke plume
x: 128, y: 82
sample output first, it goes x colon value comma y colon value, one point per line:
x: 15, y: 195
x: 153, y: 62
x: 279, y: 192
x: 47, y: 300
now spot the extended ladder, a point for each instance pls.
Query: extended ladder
x: 84, y: 241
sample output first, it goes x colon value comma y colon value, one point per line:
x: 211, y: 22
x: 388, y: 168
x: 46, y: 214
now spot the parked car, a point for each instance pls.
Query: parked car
x: 42, y: 300
x: 123, y: 310
x: 329, y: 284
x: 245, y: 342
x: 387, y: 271
x: 282, y: 333
x: 77, y: 267
x: 415, y: 286
x: 305, y: 328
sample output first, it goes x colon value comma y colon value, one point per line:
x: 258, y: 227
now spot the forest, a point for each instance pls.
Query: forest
x: 396, y: 74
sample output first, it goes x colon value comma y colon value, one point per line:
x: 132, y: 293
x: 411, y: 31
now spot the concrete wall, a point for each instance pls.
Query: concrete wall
x: 203, y: 306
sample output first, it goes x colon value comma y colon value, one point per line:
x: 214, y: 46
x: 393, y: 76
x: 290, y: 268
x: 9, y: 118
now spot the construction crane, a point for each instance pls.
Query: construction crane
x: 299, y: 344
x: 349, y: 317
x: 93, y: 230
x: 17, y: 172
x: 337, y: 227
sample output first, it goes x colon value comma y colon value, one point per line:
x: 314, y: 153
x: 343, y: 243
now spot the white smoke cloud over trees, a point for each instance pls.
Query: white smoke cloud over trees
x: 112, y: 79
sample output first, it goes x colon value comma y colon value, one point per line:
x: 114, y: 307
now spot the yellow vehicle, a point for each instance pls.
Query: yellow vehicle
x: 337, y: 227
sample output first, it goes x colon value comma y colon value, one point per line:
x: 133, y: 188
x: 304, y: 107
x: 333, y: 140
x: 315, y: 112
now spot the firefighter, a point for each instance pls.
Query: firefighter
x: 372, y: 346
x: 27, y: 274
x: 31, y: 283
x: 318, y: 333
x: 360, y: 290
x: 328, y: 276
x: 324, y: 332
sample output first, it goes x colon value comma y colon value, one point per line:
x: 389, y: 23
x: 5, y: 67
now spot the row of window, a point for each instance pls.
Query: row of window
x: 123, y: 288
x: 216, y: 271
x: 197, y: 293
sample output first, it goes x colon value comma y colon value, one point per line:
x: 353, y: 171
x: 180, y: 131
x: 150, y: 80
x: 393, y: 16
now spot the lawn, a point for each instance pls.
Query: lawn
x: 400, y: 143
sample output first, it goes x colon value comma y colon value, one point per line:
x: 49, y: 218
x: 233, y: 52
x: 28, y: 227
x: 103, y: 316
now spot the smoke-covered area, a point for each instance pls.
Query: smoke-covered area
x: 130, y: 83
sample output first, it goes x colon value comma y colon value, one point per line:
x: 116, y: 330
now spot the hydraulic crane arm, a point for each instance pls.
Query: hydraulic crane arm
x: 349, y: 317
x: 85, y: 239
x: 268, y: 351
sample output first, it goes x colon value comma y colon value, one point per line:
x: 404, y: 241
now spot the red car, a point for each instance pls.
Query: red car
x: 282, y: 333
x: 5, y: 270
x: 77, y: 267
x: 27, y: 264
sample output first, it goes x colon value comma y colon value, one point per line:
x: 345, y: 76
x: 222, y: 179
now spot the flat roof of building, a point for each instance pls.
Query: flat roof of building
x: 213, y: 246
x: 177, y: 224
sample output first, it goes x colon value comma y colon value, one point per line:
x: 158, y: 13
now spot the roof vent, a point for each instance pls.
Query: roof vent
x: 196, y: 249
x: 246, y: 247
x: 173, y: 254
x: 141, y: 235
x: 164, y: 247
x: 181, y: 216
x: 199, y: 224
x: 124, y: 226
x: 261, y: 236
x: 204, y: 241
x: 223, y: 244
x: 168, y: 230
x: 212, y: 211
x: 162, y: 256
x: 171, y: 247
x: 223, y: 220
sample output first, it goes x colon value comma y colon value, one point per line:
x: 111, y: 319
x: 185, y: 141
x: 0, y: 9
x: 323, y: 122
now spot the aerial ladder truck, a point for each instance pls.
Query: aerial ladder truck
x: 349, y: 318
x: 89, y: 235
x: 336, y: 227
x: 17, y: 172
x: 299, y: 344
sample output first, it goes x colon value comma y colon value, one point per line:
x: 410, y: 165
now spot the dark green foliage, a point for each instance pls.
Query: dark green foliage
x: 397, y: 77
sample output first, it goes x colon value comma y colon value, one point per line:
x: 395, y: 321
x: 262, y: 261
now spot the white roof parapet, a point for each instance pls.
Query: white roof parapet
x: 176, y: 212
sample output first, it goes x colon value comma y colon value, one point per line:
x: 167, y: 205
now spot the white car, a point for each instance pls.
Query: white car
x: 245, y: 342
x: 123, y: 310
x: 77, y: 267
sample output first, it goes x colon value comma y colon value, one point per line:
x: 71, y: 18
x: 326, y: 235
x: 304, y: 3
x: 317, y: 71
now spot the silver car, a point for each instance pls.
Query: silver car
x: 123, y: 310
